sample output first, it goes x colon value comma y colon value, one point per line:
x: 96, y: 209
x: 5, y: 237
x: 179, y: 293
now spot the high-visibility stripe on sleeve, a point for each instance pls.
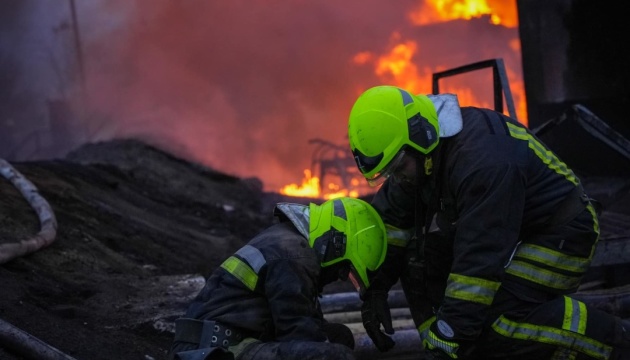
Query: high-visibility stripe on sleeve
x: 473, y: 289
x: 542, y: 152
x: 423, y: 329
x: 575, y: 315
x: 253, y: 256
x: 591, y: 209
x: 397, y: 237
x: 432, y: 341
x: 553, y: 258
x: 542, y: 276
x: 549, y: 335
x: 245, y: 270
x: 241, y: 271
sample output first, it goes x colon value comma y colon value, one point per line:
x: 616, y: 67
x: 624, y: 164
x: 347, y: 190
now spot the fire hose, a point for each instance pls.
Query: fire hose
x: 47, y: 219
x: 12, y: 337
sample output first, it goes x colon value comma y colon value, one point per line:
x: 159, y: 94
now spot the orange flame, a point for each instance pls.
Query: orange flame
x: 396, y: 67
x: 399, y: 66
x: 500, y: 12
x: 310, y: 188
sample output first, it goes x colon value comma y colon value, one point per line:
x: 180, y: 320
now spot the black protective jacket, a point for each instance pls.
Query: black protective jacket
x: 268, y: 289
x: 494, y: 190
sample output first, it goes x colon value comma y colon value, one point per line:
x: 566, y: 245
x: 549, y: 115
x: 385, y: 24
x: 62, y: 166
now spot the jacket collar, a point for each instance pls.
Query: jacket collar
x: 298, y: 214
x: 449, y: 114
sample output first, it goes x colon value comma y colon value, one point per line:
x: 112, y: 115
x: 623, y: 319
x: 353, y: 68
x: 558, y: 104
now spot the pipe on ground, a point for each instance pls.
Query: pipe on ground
x: 27, y: 345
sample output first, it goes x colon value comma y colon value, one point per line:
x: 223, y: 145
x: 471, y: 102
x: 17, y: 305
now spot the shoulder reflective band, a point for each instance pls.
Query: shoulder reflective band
x: 246, y: 272
x: 472, y: 289
x: 253, y: 256
x: 553, y: 336
x: 542, y: 152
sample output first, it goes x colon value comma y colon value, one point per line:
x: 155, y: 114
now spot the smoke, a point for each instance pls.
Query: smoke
x: 242, y: 86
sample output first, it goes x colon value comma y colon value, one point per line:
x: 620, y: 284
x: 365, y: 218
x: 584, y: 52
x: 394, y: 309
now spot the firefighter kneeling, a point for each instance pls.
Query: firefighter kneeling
x: 262, y: 302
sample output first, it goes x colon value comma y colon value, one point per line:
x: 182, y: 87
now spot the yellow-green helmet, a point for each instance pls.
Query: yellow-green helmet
x: 383, y: 121
x: 348, y: 229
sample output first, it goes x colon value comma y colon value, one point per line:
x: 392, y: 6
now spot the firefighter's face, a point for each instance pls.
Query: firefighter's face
x: 405, y: 172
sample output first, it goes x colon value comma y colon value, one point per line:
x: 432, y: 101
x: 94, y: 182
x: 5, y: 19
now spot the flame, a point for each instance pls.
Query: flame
x: 310, y: 188
x: 499, y: 12
x: 396, y: 66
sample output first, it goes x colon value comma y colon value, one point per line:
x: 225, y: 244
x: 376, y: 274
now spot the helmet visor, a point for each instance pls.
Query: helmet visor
x: 379, y: 178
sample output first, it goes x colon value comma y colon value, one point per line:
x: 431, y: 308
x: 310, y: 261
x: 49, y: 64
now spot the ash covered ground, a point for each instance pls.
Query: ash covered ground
x: 132, y: 221
x: 138, y: 231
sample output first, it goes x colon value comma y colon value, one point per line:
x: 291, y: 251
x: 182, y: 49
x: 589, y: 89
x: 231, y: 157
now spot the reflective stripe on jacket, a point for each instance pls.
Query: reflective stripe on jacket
x: 268, y: 288
x: 494, y: 189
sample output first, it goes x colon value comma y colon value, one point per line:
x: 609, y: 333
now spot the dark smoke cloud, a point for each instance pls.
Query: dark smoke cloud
x: 243, y: 85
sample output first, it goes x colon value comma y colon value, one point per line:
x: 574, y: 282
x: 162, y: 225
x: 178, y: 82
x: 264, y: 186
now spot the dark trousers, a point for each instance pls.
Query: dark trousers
x: 424, y: 284
x: 547, y: 329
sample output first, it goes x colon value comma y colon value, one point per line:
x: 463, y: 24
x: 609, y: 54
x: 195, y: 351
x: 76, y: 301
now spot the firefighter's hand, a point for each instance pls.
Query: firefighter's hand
x: 374, y: 312
x: 437, y: 344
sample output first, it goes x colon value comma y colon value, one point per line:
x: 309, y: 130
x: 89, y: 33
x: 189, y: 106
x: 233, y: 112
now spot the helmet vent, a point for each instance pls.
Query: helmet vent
x: 407, y: 99
x: 421, y: 132
x: 339, y: 210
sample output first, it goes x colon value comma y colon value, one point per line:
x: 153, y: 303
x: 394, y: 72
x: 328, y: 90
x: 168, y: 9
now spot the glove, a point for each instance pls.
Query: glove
x: 436, y: 343
x: 339, y: 334
x: 374, y: 312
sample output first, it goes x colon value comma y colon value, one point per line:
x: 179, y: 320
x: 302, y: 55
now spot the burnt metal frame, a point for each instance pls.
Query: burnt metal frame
x: 501, y: 86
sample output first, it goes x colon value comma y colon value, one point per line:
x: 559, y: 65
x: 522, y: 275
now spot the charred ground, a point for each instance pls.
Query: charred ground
x: 130, y: 216
x: 139, y: 229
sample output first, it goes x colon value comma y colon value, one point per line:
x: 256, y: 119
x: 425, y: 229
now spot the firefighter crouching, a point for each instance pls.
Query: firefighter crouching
x: 489, y: 233
x: 262, y: 302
